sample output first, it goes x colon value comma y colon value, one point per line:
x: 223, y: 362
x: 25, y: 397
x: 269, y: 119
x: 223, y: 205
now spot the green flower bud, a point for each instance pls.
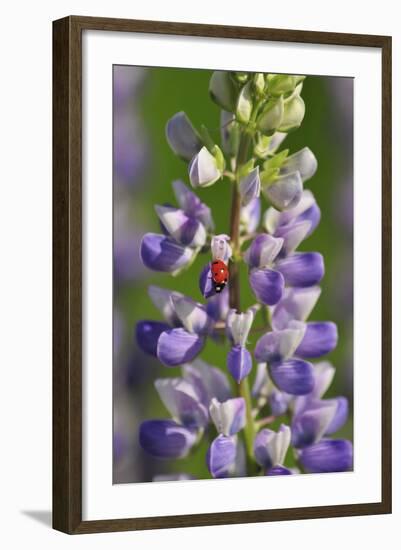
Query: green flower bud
x: 241, y: 77
x: 294, y: 112
x: 259, y: 83
x: 244, y: 104
x: 262, y: 146
x: 280, y: 84
x: 223, y: 90
x: 267, y: 145
x: 277, y: 160
x: 219, y: 157
x: 246, y: 168
x: 271, y: 116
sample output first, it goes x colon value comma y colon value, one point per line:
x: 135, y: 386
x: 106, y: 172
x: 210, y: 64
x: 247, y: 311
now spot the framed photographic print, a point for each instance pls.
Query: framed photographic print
x: 222, y: 274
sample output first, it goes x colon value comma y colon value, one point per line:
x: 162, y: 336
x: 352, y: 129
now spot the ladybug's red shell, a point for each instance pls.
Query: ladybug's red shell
x: 219, y: 272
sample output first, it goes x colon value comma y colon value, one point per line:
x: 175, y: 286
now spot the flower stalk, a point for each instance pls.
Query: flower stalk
x: 258, y: 111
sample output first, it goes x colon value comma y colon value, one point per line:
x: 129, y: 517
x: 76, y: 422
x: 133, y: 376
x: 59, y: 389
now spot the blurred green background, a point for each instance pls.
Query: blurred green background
x: 159, y: 93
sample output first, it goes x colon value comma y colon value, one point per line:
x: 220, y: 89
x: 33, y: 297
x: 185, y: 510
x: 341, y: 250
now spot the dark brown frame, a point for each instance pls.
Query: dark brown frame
x: 67, y: 275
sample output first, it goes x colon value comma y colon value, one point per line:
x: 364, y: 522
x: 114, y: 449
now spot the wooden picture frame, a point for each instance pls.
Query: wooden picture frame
x: 67, y: 273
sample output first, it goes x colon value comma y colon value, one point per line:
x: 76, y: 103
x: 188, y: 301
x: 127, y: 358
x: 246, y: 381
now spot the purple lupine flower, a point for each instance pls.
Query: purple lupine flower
x: 319, y: 338
x: 192, y: 205
x: 182, y: 337
x: 266, y: 392
x: 186, y: 229
x: 161, y: 253
x: 249, y: 187
x: 182, y: 136
x: 270, y: 449
x: 147, y: 335
x: 250, y: 216
x: 166, y: 438
x: 303, y: 161
x: 182, y: 401
x: 218, y: 305
x: 329, y: 455
x: 314, y: 417
x: 229, y: 416
x: 285, y: 191
x: 293, y: 225
x: 209, y: 382
x: 266, y: 282
x: 239, y: 359
x: 180, y: 345
x: 295, y: 305
x: 224, y: 458
x: 182, y: 228
x: 221, y: 456
x: 290, y: 374
x: 148, y: 332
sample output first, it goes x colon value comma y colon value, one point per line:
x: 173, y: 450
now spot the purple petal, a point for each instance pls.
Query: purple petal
x: 239, y: 362
x: 340, y: 417
x: 186, y: 230
x: 329, y: 455
x: 192, y: 315
x: 324, y: 374
x: 278, y: 345
x: 267, y: 285
x: 177, y: 346
x: 192, y: 205
x: 166, y: 438
x: 302, y: 269
x: 278, y: 471
x: 319, y: 339
x: 208, y: 381
x: 311, y: 424
x: 221, y: 456
x: 182, y: 401
x: 250, y: 216
x: 147, y: 335
x: 161, y: 253
x: 205, y: 282
x: 313, y: 215
x: 274, y: 219
x: 263, y: 251
x: 161, y: 298
x: 303, y: 161
x: 229, y: 416
x: 292, y: 235
x: 293, y: 376
x: 217, y: 306
x: 249, y: 187
x: 279, y: 402
x: 270, y: 448
x: 285, y: 192
x: 182, y: 136
x: 296, y: 304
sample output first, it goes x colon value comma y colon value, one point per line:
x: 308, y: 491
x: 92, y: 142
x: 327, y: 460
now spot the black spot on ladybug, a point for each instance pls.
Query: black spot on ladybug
x: 218, y: 287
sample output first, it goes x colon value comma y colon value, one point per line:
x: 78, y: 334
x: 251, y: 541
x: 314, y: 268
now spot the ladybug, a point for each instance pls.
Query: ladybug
x: 219, y: 275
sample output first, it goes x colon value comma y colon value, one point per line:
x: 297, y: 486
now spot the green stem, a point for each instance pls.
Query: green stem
x: 249, y: 430
x: 234, y: 294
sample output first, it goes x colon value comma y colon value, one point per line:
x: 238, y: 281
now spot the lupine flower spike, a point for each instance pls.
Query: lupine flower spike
x: 284, y: 424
